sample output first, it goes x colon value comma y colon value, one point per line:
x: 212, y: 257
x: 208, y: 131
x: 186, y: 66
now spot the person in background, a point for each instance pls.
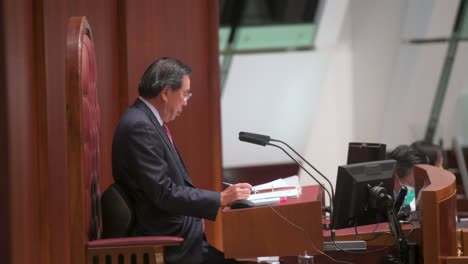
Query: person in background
x: 147, y: 164
x: 406, y: 158
x: 431, y: 151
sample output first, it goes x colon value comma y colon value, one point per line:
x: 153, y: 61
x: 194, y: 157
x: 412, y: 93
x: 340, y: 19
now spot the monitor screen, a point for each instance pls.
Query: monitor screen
x: 363, y: 152
x: 352, y: 206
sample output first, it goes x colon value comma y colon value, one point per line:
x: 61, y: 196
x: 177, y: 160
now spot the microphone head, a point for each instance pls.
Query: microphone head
x: 253, y: 138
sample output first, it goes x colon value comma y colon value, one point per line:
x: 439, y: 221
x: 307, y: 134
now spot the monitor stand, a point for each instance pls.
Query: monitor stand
x: 382, y: 200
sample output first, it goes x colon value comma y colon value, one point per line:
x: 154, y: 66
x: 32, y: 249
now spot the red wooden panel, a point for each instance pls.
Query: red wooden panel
x: 40, y: 96
x: 5, y: 222
x: 256, y: 175
x: 438, y: 208
x: 33, y: 103
x: 55, y: 20
x: 20, y: 117
x: 105, y: 22
x: 186, y: 30
x: 447, y: 226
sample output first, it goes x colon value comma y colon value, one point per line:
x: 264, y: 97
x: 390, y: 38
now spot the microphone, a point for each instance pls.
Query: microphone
x: 264, y: 140
x: 253, y: 138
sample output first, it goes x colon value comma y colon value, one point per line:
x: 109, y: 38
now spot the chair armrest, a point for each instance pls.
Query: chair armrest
x: 136, y: 241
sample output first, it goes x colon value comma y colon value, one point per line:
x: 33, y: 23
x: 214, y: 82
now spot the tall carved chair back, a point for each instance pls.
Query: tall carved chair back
x: 84, y: 170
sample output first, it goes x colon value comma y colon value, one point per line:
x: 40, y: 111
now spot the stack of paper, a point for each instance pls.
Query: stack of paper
x: 288, y: 187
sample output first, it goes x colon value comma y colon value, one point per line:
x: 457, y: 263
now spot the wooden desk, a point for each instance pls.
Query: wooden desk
x: 260, y: 231
x: 438, y: 211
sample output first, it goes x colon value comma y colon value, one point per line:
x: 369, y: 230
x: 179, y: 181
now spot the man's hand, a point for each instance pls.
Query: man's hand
x: 235, y: 192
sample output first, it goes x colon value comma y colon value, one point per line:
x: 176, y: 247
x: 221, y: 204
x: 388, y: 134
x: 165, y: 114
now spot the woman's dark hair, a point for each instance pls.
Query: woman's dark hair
x: 161, y: 73
x: 432, y: 151
x: 406, y: 158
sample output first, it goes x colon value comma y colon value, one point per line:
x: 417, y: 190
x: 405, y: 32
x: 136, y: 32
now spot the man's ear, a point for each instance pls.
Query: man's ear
x: 165, y: 93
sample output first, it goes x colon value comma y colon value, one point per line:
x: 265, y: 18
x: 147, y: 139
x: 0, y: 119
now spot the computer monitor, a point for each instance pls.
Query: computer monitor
x: 363, y: 152
x: 352, y: 206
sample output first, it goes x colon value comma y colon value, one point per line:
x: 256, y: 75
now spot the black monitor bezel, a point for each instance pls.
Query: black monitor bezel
x: 350, y: 205
x: 359, y: 152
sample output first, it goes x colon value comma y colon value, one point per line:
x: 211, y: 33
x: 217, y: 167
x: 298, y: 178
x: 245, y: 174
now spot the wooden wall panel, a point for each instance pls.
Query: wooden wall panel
x: 55, y: 27
x: 22, y: 147
x: 40, y: 96
x: 56, y: 15
x: 104, y: 21
x: 213, y: 110
x: 5, y: 203
x: 102, y: 16
x: 128, y: 36
x: 186, y: 30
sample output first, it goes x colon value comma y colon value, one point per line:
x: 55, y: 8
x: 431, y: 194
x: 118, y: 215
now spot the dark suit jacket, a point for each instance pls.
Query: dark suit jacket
x: 148, y: 166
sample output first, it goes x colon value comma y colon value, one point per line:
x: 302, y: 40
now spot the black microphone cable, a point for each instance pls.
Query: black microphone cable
x: 332, y: 197
x: 308, y: 163
x: 302, y: 167
x: 264, y: 140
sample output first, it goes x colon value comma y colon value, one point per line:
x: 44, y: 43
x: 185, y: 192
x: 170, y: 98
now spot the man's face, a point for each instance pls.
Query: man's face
x: 176, y: 100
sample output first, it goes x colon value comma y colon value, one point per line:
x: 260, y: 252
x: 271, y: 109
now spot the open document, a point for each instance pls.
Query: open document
x: 272, y: 192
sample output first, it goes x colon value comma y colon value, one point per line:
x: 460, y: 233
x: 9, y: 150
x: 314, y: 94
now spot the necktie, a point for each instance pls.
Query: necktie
x: 168, y: 133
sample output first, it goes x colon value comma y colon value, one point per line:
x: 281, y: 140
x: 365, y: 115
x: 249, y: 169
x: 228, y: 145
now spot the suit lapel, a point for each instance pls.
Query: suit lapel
x: 188, y: 179
x: 142, y: 106
x: 181, y: 163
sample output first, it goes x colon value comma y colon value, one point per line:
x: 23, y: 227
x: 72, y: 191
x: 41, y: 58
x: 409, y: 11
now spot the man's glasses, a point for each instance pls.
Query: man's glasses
x: 187, y: 97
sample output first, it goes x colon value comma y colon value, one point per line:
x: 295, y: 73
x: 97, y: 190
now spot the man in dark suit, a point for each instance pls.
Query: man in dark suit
x: 146, y: 163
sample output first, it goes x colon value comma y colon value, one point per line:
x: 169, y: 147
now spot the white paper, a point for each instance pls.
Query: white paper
x: 292, y: 181
x: 279, y: 183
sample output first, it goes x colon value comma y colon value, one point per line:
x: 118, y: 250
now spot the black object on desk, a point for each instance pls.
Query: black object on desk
x: 243, y: 203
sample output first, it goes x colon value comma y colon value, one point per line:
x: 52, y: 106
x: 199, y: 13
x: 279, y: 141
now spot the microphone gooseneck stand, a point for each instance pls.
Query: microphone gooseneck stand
x: 330, y: 196
x: 264, y: 140
x: 310, y: 165
x: 380, y: 198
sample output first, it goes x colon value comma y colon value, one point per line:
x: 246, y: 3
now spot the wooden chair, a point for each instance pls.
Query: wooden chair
x: 83, y: 131
x: 115, y: 204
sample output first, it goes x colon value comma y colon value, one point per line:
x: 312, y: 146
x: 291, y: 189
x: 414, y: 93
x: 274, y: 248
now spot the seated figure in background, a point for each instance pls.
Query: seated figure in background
x: 432, y: 152
x: 406, y: 158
